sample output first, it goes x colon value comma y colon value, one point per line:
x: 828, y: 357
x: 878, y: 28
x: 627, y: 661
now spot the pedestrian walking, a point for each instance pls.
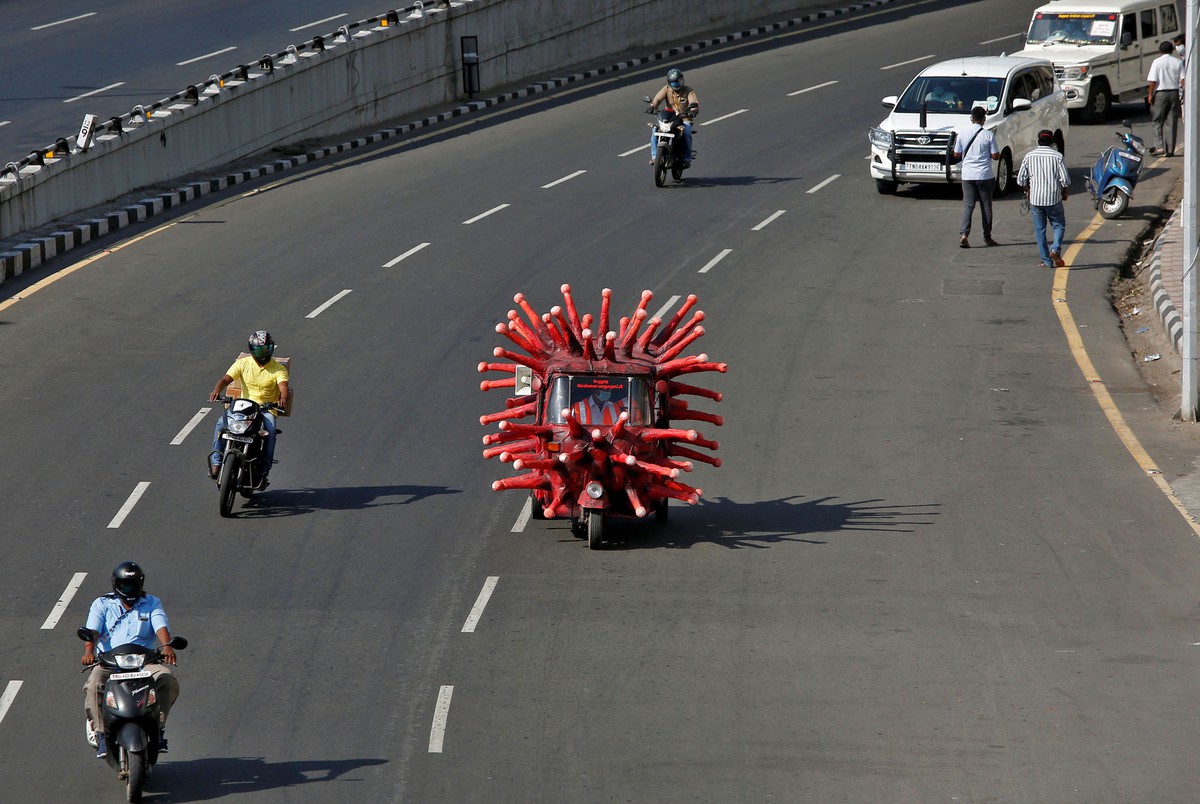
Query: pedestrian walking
x: 978, y: 175
x: 1166, y: 81
x: 1044, y: 176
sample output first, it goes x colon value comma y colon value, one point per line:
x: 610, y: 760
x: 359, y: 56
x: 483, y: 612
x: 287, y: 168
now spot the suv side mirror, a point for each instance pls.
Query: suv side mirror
x: 1021, y: 104
x: 890, y: 101
x: 1127, y: 39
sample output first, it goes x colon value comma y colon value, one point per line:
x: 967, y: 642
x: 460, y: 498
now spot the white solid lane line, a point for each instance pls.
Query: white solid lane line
x: 830, y: 180
x: 405, y: 255
x: 57, y: 612
x: 63, y: 22
x: 723, y: 117
x: 327, y: 304
x: 485, y: 214
x: 635, y: 150
x: 318, y: 22
x: 187, y: 428
x: 810, y: 89
x: 95, y: 92
x: 138, y: 491
x: 481, y: 602
x: 768, y: 221
x: 662, y: 311
x: 523, y: 517
x: 910, y: 61
x: 441, y: 712
x: 564, y: 178
x: 205, y: 56
x: 724, y: 253
x: 10, y: 692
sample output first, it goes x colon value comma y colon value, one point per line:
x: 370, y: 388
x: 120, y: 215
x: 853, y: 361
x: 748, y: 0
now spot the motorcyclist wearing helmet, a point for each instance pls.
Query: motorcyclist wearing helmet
x: 683, y: 99
x: 126, y: 616
x: 263, y: 380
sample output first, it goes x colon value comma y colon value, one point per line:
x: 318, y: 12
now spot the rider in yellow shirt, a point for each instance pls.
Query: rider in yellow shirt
x: 263, y: 380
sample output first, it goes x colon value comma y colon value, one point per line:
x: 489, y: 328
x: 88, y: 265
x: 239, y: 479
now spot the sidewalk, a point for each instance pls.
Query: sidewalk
x: 1166, y: 278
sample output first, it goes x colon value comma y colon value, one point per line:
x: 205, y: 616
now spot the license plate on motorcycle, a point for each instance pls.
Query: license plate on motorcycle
x: 664, y: 136
x: 127, y: 676
x: 923, y: 167
x: 242, y: 439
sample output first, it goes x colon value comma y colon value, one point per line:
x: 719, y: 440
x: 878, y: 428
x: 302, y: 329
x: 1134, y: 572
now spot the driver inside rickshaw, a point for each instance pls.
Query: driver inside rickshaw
x: 602, y: 403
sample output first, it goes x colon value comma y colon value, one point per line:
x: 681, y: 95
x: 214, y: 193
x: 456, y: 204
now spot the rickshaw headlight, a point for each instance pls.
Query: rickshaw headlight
x: 594, y: 490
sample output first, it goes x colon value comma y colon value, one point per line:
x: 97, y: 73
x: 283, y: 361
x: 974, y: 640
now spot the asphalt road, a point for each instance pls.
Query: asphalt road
x: 65, y: 60
x: 929, y: 569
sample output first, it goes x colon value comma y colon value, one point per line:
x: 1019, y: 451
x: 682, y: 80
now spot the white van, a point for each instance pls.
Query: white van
x: 1101, y: 51
x: 915, y: 142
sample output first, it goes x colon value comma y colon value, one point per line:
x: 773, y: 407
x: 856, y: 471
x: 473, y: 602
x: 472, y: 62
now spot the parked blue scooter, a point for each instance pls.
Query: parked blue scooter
x: 1116, y: 173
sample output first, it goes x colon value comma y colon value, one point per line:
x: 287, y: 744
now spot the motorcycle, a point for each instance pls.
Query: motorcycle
x: 243, y: 461
x: 1115, y: 174
x: 669, y: 145
x: 130, y: 711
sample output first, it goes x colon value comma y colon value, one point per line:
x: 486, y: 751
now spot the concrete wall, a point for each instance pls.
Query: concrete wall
x: 382, y: 73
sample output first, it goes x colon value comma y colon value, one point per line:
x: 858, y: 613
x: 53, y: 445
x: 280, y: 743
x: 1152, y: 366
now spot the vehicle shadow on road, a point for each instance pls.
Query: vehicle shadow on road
x: 766, y: 523
x: 730, y: 181
x: 217, y: 777
x: 277, y: 502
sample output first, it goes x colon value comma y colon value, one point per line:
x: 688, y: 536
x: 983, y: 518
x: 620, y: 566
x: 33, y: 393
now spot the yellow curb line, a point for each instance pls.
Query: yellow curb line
x: 1058, y: 297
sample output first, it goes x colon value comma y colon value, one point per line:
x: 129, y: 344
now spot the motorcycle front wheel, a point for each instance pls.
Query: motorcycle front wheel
x: 137, y: 775
x: 660, y: 168
x: 1113, y: 204
x: 595, y: 529
x: 227, y: 485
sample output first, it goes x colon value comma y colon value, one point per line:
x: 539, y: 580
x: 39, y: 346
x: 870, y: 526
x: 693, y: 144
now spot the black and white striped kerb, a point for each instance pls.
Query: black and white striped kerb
x: 1163, y: 305
x: 28, y: 256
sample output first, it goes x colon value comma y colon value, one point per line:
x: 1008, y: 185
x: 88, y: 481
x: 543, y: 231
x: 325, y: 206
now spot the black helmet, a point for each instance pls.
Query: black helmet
x: 127, y: 581
x: 262, y: 346
x: 675, y: 79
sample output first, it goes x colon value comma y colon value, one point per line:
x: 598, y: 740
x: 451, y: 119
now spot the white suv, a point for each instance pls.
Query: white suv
x: 914, y: 144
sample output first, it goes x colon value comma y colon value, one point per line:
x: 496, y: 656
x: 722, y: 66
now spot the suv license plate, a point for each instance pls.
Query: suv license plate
x: 923, y: 167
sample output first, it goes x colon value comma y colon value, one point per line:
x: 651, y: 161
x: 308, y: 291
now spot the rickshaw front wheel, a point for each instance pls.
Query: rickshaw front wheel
x: 595, y: 529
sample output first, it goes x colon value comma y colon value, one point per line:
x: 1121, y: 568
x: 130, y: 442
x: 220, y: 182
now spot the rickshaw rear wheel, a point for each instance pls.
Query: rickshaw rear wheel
x: 595, y: 529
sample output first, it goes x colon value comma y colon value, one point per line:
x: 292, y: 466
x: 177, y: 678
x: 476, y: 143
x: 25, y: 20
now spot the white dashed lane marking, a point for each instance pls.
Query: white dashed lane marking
x: 405, y: 255
x: 136, y: 495
x: 910, y: 61
x: 205, y: 56
x: 187, y: 428
x: 315, y: 24
x: 63, y: 22
x: 523, y: 517
x: 831, y: 179
x: 56, y: 613
x: 485, y: 594
x: 10, y: 692
x: 564, y: 178
x: 810, y: 89
x: 328, y: 304
x: 94, y: 92
x: 724, y: 117
x: 441, y: 713
x: 724, y: 253
x: 485, y: 214
x: 768, y: 220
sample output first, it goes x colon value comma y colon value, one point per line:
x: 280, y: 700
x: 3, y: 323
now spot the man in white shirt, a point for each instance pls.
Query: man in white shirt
x: 1166, y: 80
x: 976, y: 147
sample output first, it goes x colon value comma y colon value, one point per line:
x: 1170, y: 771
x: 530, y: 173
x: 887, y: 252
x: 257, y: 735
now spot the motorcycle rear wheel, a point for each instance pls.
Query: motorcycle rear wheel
x: 137, y: 776
x: 660, y: 169
x: 228, y: 485
x: 1113, y: 204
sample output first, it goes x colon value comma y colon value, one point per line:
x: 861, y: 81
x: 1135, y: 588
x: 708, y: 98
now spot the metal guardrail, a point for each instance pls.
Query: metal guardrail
x: 141, y: 114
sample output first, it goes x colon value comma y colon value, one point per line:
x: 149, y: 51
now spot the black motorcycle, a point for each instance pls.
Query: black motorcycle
x: 130, y: 710
x: 670, y: 155
x: 243, y: 459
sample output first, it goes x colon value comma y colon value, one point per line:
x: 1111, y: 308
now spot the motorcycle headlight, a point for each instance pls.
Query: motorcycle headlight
x: 879, y: 137
x: 133, y: 661
x: 1075, y: 72
x: 239, y: 423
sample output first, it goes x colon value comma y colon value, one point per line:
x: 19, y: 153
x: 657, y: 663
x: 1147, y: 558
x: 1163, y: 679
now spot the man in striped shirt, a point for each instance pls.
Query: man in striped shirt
x: 1044, y: 176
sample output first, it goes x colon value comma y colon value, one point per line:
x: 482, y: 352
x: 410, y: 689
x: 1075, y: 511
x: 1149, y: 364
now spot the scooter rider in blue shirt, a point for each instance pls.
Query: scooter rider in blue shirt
x: 128, y: 615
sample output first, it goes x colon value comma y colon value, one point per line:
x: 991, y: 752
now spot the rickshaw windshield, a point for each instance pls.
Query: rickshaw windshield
x: 599, y: 399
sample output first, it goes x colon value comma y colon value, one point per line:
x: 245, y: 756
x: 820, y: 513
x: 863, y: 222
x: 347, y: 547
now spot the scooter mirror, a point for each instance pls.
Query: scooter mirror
x: 178, y: 643
x: 87, y: 634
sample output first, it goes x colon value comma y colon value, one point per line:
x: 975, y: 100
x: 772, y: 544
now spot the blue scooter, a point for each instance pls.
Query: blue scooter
x: 1115, y: 174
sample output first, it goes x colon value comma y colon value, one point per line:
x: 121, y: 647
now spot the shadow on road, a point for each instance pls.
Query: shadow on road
x: 766, y: 523
x: 207, y: 779
x: 276, y: 502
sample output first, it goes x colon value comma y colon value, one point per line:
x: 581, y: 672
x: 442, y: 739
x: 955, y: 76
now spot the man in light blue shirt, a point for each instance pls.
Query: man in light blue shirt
x: 128, y: 616
x: 976, y: 147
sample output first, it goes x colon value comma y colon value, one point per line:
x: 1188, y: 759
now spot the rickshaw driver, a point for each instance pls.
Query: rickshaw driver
x: 598, y: 408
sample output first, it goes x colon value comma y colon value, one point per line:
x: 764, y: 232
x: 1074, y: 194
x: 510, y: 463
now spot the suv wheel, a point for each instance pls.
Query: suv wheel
x: 1098, y: 104
x: 1003, y: 173
x: 886, y: 187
